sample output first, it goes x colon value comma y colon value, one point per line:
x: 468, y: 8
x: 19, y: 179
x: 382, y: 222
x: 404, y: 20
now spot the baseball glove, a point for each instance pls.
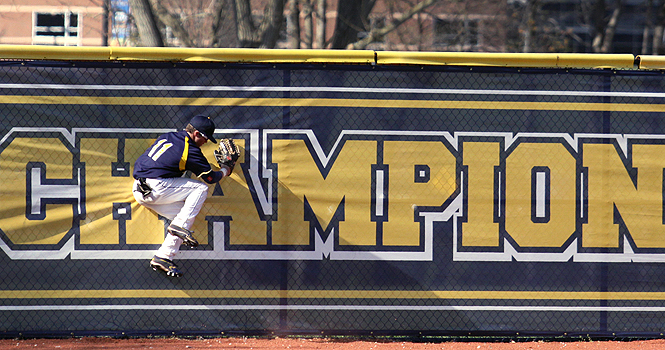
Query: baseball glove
x: 227, y: 154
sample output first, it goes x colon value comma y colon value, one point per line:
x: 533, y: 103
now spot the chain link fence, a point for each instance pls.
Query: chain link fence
x: 369, y: 199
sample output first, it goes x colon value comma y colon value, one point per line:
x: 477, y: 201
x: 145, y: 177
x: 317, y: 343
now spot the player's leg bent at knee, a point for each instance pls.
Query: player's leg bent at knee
x: 184, y: 220
x: 193, y: 203
x: 170, y: 247
x: 171, y: 243
x: 184, y: 234
x: 179, y: 230
x: 180, y: 200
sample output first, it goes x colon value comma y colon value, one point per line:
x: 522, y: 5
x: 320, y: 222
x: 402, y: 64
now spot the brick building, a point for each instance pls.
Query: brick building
x: 51, y: 22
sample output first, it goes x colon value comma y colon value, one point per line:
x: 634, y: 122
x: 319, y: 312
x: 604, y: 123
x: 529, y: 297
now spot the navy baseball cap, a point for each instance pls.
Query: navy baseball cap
x: 205, y: 126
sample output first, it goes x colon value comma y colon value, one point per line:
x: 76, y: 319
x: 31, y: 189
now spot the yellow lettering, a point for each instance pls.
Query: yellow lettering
x: 480, y: 229
x: 519, y: 199
x: 246, y: 226
x: 300, y: 179
x: 14, y: 159
x: 421, y: 174
x: 101, y: 191
x: 641, y: 207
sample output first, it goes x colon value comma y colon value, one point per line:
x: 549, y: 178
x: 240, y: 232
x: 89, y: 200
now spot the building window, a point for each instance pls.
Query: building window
x: 62, y: 29
x: 456, y: 33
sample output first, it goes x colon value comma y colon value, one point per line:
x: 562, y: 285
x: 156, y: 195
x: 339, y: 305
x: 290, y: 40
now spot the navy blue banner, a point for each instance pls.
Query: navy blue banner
x: 385, y: 199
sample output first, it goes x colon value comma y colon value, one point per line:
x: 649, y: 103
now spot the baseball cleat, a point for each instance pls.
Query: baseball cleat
x: 184, y: 234
x: 165, y: 265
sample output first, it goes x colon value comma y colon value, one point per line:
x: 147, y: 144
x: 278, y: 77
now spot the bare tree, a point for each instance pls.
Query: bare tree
x: 106, y: 6
x: 207, y: 23
x: 321, y: 23
x: 528, y: 25
x: 308, y: 21
x: 266, y: 32
x: 223, y: 24
x: 352, y: 18
x: 604, y: 27
x: 659, y: 27
x: 173, y: 22
x: 146, y: 23
x: 378, y: 33
x: 648, y: 27
x: 293, y: 24
x: 234, y: 23
x: 413, y: 36
x: 542, y: 30
x: 195, y: 23
x: 310, y: 30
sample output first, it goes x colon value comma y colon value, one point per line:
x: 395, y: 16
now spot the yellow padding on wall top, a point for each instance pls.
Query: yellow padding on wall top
x: 236, y: 55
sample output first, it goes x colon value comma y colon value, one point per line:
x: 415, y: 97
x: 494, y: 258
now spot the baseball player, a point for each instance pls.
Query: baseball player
x: 159, y: 183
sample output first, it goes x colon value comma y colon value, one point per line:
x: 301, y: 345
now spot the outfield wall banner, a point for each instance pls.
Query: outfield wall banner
x: 368, y: 199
